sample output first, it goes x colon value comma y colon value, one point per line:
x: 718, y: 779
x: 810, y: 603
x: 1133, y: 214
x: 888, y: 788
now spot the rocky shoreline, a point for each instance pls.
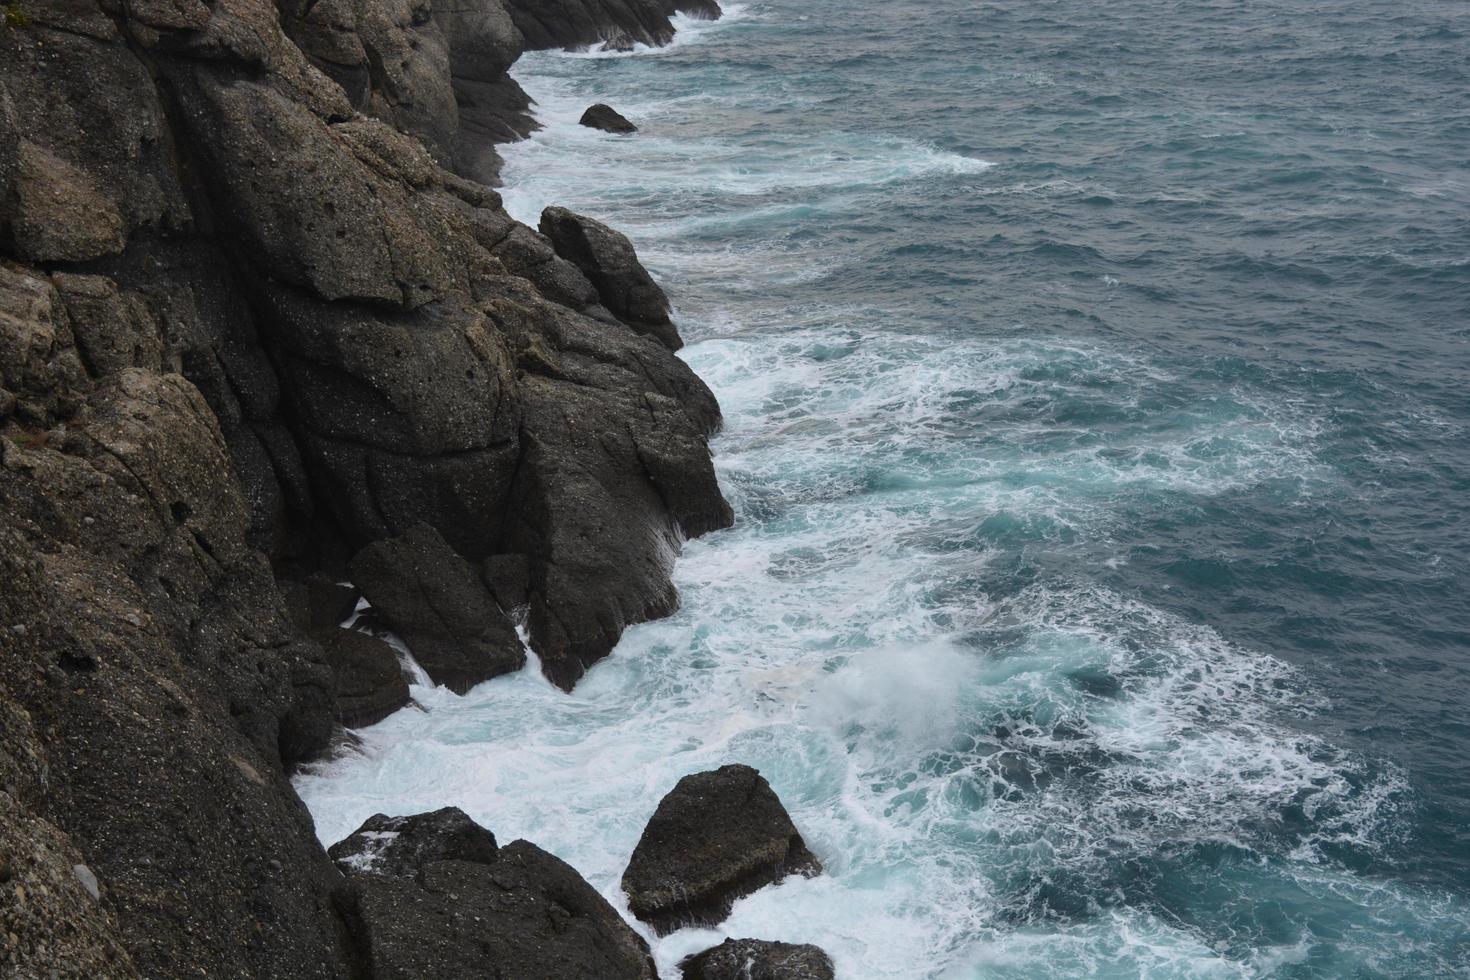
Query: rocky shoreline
x: 265, y: 328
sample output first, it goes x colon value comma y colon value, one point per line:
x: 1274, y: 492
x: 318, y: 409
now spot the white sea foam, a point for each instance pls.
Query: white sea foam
x: 689, y: 29
x: 966, y: 755
x: 943, y: 751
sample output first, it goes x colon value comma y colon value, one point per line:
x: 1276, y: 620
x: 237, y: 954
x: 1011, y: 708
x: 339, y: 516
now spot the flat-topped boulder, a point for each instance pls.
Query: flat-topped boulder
x: 758, y: 959
x: 604, y: 117
x: 436, y: 897
x: 716, y: 837
x: 438, y: 604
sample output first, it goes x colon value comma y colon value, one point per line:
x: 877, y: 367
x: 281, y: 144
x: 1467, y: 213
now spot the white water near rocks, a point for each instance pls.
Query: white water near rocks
x: 956, y: 755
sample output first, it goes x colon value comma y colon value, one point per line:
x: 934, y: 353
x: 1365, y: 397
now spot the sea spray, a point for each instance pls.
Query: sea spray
x: 1024, y: 615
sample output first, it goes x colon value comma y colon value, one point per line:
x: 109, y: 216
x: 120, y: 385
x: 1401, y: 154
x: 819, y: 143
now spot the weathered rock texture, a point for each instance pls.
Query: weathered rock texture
x: 440, y: 607
x: 615, y: 24
x: 758, y: 959
x: 716, y: 837
x: 435, y: 897
x: 607, y: 259
x: 367, y: 681
x: 255, y: 316
x: 606, y: 118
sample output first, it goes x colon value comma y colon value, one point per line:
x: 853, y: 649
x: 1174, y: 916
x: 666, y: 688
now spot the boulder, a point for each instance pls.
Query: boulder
x: 608, y: 260
x: 436, y: 897
x: 368, y: 682
x: 716, y: 837
x: 758, y: 959
x: 437, y: 603
x: 604, y: 117
x: 397, y: 847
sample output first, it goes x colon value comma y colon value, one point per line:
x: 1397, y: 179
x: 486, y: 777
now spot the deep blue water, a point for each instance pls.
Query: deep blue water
x: 1096, y: 384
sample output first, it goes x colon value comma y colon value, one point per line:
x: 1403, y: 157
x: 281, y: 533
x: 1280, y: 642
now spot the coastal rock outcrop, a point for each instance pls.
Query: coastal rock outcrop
x: 758, y: 959
x: 610, y: 24
x: 154, y: 692
x: 604, y: 117
x: 367, y: 681
x: 608, y: 260
x: 716, y: 837
x: 435, y: 896
x: 439, y: 606
x: 254, y: 319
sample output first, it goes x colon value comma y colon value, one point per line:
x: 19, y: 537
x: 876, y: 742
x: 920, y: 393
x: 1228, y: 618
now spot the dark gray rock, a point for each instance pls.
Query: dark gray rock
x: 317, y: 602
x: 440, y: 607
x: 397, y: 847
x: 608, y: 260
x: 613, y: 24
x: 604, y: 117
x: 716, y: 837
x: 435, y: 897
x: 164, y: 693
x: 285, y: 330
x: 508, y: 577
x: 367, y: 681
x: 605, y: 491
x: 758, y: 959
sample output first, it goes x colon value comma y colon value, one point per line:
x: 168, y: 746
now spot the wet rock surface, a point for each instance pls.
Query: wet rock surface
x: 438, y: 604
x: 606, y: 118
x: 758, y: 959
x: 716, y: 837
x: 367, y: 681
x: 435, y: 896
x: 601, y: 23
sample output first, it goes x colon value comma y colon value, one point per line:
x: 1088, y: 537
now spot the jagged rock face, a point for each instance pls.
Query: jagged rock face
x: 613, y: 24
x: 242, y: 322
x: 155, y: 677
x: 380, y: 343
x: 440, y: 607
x: 604, y: 117
x: 716, y: 837
x: 436, y: 897
x: 434, y: 70
x: 758, y: 959
x: 608, y: 260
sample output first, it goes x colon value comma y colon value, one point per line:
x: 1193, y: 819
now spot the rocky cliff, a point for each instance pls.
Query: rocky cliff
x: 262, y: 321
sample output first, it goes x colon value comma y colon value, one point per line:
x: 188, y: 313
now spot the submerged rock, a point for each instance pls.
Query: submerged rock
x: 758, y: 959
x: 440, y: 607
x: 604, y: 117
x: 608, y: 260
x: 716, y: 837
x: 436, y: 897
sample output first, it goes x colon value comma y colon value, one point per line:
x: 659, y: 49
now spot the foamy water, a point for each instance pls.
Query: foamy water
x: 936, y: 626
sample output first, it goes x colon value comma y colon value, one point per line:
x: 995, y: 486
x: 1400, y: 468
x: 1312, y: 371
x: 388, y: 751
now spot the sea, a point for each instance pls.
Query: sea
x: 1096, y: 381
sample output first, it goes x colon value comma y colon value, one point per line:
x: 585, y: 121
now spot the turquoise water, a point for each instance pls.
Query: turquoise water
x: 1095, y: 382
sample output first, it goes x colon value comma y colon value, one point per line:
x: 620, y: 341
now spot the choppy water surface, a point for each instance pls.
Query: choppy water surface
x: 1096, y: 390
